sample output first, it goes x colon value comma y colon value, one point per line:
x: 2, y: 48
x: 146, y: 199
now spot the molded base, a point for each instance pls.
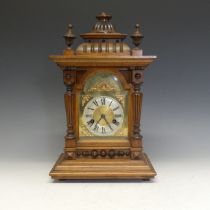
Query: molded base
x: 102, y: 169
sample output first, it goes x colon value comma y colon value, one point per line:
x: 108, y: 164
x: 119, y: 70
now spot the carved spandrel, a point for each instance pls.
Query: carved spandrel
x: 127, y: 75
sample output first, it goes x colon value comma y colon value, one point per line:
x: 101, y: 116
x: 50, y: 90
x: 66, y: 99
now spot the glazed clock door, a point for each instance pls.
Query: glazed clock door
x: 103, y: 112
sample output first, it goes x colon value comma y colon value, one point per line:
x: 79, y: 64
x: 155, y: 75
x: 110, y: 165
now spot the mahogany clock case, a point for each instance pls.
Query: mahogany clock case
x: 103, y: 103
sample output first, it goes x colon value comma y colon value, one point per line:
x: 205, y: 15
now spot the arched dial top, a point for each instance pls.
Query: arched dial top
x: 103, y: 116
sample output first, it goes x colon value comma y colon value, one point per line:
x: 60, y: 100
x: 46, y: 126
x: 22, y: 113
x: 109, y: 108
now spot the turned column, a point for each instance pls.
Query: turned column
x: 137, y: 95
x: 69, y: 99
x: 137, y: 80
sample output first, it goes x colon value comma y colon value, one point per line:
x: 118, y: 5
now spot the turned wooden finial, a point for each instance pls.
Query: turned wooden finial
x: 69, y: 36
x: 103, y: 24
x: 104, y: 17
x: 137, y: 36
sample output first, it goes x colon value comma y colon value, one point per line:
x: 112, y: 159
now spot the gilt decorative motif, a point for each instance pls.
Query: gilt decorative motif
x: 104, y: 86
x: 85, y: 99
x: 84, y: 131
x: 121, y: 99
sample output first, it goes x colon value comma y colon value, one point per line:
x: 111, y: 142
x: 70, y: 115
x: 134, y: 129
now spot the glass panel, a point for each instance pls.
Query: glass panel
x: 103, y: 107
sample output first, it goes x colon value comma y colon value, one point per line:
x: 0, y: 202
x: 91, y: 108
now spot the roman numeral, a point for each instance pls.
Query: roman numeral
x: 103, y: 101
x: 88, y: 115
x: 90, y: 108
x: 110, y: 127
x: 96, y: 128
x: 118, y: 115
x: 95, y: 102
x: 116, y: 108
x: 110, y: 103
x: 90, y: 123
x: 103, y: 130
x: 115, y: 122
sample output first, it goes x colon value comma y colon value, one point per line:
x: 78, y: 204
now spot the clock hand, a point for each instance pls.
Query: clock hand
x: 99, y: 120
x: 96, y: 125
x: 104, y: 117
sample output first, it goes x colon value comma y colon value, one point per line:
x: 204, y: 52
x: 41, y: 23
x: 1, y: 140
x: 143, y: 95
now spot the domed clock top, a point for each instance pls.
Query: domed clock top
x: 103, y: 38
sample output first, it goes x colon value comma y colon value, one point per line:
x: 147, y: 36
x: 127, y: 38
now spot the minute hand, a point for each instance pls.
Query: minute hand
x: 108, y: 123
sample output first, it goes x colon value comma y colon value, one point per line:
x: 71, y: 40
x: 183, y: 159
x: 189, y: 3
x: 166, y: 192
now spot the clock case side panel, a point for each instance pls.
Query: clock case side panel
x: 84, y: 75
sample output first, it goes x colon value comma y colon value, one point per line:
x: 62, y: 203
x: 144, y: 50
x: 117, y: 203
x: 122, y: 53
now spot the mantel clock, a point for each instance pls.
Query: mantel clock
x: 103, y: 105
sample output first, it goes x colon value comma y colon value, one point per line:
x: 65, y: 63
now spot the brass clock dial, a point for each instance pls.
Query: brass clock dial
x: 103, y: 116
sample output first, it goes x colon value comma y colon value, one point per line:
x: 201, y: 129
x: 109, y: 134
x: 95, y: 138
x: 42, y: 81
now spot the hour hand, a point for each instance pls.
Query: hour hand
x: 99, y: 119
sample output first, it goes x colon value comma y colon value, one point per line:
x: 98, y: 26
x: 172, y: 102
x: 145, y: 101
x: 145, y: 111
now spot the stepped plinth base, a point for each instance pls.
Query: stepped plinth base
x: 106, y: 169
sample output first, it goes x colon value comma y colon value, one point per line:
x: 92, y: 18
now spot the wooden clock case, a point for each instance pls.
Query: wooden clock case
x: 103, y: 49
